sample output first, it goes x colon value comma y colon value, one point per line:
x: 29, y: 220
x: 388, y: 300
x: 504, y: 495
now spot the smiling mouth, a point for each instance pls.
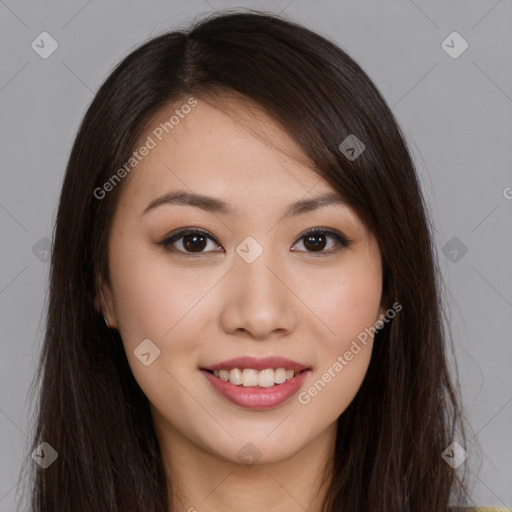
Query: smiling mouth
x: 249, y: 377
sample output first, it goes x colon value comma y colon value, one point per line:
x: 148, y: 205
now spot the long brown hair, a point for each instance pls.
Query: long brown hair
x: 91, y: 409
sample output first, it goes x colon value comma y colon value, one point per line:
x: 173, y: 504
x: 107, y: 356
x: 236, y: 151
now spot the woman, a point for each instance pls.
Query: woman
x: 244, y: 307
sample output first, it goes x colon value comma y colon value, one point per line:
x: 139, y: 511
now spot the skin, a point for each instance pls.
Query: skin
x: 204, y: 309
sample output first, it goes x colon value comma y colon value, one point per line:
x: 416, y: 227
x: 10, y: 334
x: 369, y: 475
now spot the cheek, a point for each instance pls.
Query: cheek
x: 349, y: 307
x: 331, y: 389
x: 151, y: 303
x: 151, y: 296
x: 347, y: 302
x: 161, y: 302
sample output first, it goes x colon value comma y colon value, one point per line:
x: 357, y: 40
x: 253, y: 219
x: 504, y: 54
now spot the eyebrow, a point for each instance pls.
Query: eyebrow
x: 212, y: 204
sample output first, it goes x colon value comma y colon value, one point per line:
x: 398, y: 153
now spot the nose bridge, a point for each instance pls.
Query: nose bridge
x: 253, y: 265
x: 256, y: 274
x: 257, y: 299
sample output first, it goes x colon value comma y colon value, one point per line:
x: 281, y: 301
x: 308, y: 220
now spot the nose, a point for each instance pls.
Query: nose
x: 258, y: 299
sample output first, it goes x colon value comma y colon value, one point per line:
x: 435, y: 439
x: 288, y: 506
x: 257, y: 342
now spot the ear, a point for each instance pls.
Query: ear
x: 387, y: 295
x: 381, y: 314
x: 383, y: 307
x: 104, y: 303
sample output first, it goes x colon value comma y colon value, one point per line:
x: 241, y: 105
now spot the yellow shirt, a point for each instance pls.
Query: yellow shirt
x: 486, y: 509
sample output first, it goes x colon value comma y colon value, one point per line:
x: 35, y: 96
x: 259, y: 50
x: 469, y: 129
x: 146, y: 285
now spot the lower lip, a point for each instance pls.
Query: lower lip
x: 255, y: 397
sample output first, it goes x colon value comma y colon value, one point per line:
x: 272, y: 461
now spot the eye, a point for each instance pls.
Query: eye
x: 195, y: 241
x: 315, y: 241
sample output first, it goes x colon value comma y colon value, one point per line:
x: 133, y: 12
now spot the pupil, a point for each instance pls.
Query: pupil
x: 194, y: 242
x: 315, y: 245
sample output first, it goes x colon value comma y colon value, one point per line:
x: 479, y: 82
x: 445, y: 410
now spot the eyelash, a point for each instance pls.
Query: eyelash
x: 338, y: 237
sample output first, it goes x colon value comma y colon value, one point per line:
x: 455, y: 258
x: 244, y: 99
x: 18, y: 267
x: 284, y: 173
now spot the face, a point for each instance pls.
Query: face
x: 237, y: 286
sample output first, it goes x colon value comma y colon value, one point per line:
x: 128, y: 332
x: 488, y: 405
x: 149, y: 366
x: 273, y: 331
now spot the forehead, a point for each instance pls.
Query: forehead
x: 238, y: 155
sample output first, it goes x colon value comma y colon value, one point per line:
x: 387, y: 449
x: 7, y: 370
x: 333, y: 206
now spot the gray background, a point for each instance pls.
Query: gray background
x: 455, y: 114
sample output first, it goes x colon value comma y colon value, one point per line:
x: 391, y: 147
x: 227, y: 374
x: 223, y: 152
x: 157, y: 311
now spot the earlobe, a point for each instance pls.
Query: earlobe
x: 104, y: 304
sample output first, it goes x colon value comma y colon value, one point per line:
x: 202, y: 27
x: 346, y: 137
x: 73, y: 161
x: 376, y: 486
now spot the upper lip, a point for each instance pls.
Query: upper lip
x: 256, y: 363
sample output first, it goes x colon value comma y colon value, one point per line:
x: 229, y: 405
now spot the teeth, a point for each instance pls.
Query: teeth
x: 280, y: 376
x: 235, y: 376
x: 266, y: 378
x: 250, y: 377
